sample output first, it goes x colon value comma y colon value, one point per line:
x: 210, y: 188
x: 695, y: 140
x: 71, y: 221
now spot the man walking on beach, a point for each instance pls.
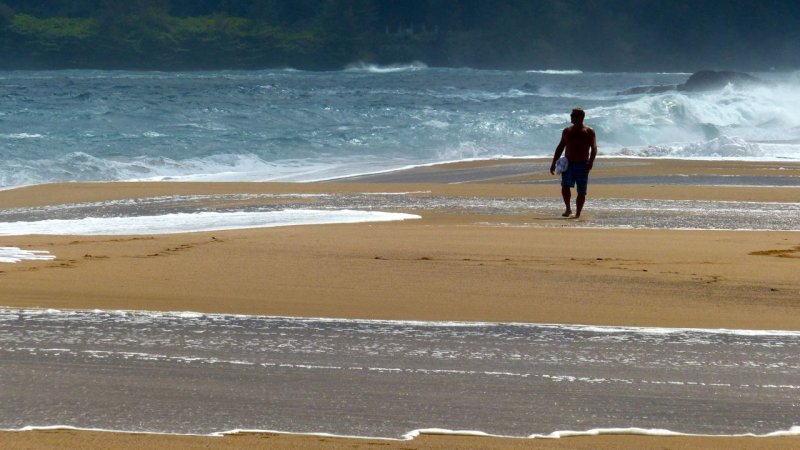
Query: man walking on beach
x: 581, y: 145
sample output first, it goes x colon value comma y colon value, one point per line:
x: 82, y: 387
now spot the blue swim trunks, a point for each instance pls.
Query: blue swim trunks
x: 576, y: 173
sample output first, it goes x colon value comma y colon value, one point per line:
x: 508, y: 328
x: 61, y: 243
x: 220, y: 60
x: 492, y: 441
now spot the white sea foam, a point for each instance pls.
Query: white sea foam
x: 392, y: 68
x: 15, y: 255
x: 194, y: 222
x: 718, y: 148
x: 105, y: 430
x: 673, y: 123
x: 22, y: 136
x: 445, y: 323
x: 556, y: 72
x: 792, y: 431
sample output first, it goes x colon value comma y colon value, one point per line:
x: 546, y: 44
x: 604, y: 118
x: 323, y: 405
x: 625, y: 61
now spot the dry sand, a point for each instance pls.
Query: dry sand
x: 446, y: 266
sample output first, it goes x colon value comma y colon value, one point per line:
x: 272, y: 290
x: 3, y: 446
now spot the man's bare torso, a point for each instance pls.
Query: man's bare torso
x: 579, y: 140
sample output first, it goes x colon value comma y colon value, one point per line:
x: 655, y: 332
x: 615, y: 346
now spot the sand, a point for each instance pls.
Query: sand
x: 445, y: 266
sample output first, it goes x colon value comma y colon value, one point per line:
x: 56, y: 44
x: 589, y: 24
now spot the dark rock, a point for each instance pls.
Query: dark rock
x: 704, y: 80
x: 707, y: 80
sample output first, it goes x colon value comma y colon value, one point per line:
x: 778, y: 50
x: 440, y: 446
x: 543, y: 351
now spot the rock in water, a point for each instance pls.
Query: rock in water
x: 706, y: 80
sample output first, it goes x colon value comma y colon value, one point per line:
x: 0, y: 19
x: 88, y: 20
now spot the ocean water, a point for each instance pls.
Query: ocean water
x: 289, y: 125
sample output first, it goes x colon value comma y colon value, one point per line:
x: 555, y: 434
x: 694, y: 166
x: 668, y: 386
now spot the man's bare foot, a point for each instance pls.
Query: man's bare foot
x: 578, y: 216
x: 567, y: 213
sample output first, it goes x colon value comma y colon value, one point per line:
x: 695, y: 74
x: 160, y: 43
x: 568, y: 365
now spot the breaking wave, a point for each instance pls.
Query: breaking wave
x: 556, y: 72
x: 392, y: 68
x: 731, y: 122
x: 718, y: 148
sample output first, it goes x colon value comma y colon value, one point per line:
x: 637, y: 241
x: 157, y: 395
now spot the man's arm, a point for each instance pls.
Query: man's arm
x: 559, y: 150
x: 593, y: 152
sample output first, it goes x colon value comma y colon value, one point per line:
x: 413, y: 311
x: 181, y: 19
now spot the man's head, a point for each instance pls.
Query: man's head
x: 577, y: 116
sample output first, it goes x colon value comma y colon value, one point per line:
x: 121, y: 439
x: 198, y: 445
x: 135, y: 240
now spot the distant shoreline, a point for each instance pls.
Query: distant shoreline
x: 387, y: 67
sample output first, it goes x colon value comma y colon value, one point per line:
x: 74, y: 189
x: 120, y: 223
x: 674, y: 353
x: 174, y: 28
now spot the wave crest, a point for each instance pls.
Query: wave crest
x: 556, y: 72
x: 361, y: 66
x: 720, y: 147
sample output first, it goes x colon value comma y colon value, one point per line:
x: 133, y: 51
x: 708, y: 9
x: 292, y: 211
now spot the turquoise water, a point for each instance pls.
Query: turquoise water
x: 301, y: 126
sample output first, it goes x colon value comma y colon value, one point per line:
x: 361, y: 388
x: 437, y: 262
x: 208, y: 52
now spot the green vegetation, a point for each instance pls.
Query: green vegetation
x: 613, y: 35
x: 52, y: 28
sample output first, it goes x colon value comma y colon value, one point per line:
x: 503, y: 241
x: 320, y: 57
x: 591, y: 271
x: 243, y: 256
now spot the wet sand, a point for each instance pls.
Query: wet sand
x: 446, y: 266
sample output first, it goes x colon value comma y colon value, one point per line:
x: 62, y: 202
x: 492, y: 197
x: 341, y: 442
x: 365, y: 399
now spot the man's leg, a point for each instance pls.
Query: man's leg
x: 579, y: 204
x: 565, y: 192
x: 581, y: 181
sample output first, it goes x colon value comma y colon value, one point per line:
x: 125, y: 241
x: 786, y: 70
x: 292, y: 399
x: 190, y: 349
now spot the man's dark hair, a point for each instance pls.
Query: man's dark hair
x: 578, y: 112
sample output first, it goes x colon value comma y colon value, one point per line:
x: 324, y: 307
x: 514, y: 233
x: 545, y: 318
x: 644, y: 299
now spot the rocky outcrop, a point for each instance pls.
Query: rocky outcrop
x: 704, y: 80
x: 707, y: 80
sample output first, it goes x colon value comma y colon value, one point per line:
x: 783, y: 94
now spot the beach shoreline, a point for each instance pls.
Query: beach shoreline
x: 446, y: 266
x: 89, y: 440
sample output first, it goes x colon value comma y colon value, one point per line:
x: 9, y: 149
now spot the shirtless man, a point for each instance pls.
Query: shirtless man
x: 581, y: 145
